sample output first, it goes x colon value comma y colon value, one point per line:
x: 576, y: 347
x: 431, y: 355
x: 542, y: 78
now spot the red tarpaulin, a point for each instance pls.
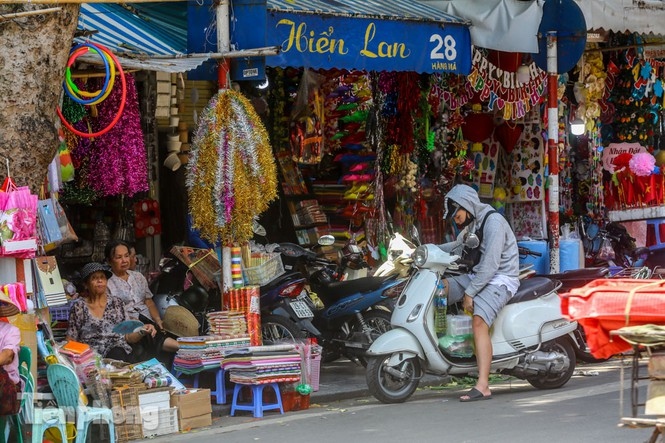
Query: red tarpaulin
x: 605, y: 305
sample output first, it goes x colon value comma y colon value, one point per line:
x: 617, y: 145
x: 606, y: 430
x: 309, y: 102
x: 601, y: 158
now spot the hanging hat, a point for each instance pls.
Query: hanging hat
x: 93, y: 267
x: 180, y: 322
x: 7, y: 308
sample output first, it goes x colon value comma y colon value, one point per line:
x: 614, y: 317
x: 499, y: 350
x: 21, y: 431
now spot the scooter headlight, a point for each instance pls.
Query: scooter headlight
x: 420, y: 255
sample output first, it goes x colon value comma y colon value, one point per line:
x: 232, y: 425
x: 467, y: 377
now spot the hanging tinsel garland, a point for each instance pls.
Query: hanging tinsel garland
x: 231, y: 174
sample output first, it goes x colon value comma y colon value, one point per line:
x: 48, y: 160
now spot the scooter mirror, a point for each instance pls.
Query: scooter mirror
x: 415, y: 235
x: 326, y: 240
x: 472, y: 241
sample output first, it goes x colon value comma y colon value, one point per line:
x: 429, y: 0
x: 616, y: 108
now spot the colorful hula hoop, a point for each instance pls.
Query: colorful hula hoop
x: 94, y: 97
x: 121, y: 108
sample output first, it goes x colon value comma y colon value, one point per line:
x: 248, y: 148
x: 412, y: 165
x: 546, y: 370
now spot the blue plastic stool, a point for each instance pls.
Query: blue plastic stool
x: 256, y: 406
x: 220, y: 389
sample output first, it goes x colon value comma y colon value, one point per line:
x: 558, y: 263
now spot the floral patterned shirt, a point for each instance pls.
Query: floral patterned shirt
x: 133, y: 292
x: 98, y: 332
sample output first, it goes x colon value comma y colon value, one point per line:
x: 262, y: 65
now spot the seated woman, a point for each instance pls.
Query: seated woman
x: 10, y: 382
x: 130, y: 286
x: 93, y: 316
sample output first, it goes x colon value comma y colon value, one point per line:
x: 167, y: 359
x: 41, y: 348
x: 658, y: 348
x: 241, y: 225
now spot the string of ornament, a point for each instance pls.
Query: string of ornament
x: 231, y: 175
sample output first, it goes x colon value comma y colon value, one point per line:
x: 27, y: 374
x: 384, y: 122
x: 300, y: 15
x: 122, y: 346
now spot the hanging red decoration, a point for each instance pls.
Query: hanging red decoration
x: 508, y: 135
x: 478, y: 127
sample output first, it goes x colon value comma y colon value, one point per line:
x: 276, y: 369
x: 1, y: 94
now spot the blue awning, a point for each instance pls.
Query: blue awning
x: 130, y: 32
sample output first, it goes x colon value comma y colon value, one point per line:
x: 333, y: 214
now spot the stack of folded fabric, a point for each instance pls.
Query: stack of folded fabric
x: 262, y: 364
x: 227, y: 324
x: 198, y: 354
x: 82, y: 357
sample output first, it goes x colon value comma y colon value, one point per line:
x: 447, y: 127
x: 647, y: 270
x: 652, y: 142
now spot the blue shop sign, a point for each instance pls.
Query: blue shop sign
x: 326, y: 42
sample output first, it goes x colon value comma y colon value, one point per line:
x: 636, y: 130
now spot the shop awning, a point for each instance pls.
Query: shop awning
x: 144, y: 36
x: 642, y: 17
x: 503, y: 25
x: 372, y: 35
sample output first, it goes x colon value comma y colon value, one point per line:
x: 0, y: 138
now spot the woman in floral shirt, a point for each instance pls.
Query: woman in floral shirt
x: 93, y: 316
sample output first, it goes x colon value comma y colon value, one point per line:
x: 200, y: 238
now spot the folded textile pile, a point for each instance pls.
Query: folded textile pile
x: 262, y: 364
x: 227, y: 324
x: 197, y: 354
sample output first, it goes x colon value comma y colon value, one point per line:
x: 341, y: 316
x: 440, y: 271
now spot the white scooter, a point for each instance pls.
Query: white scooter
x: 530, y: 338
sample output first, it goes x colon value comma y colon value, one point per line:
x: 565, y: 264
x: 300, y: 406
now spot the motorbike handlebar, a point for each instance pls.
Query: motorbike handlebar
x: 526, y: 251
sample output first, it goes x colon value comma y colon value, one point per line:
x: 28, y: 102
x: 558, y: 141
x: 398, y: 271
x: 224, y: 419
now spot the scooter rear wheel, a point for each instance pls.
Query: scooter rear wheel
x: 392, y: 384
x: 276, y: 328
x: 553, y: 381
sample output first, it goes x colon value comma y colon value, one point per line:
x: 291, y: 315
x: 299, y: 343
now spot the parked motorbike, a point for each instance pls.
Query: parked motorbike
x: 530, y: 338
x: 354, y: 312
x: 286, y: 309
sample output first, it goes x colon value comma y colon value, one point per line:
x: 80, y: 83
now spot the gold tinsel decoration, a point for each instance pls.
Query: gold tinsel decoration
x: 231, y: 174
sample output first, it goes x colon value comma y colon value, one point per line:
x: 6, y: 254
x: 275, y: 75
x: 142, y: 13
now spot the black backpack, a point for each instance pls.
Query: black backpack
x: 471, y: 257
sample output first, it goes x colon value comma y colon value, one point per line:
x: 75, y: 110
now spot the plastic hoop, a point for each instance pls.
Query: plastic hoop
x: 121, y: 108
x: 72, y: 90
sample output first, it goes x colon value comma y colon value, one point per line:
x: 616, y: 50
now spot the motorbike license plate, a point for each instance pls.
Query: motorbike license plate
x: 301, y: 309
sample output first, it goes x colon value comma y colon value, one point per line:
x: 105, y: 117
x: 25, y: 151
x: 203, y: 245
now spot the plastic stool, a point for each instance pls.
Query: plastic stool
x: 46, y: 418
x: 85, y: 416
x: 256, y: 406
x: 220, y: 389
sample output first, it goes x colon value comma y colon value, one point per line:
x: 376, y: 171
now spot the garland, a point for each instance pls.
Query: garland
x: 231, y: 174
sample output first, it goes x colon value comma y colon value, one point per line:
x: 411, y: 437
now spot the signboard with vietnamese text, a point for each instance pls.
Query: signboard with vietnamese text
x: 327, y: 42
x: 613, y: 150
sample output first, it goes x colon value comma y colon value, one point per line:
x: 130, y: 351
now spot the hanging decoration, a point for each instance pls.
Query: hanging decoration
x: 499, y: 88
x: 111, y: 63
x: 116, y: 161
x: 231, y: 174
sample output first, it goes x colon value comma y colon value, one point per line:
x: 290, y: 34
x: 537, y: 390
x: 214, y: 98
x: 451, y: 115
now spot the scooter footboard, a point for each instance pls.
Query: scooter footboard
x: 395, y: 340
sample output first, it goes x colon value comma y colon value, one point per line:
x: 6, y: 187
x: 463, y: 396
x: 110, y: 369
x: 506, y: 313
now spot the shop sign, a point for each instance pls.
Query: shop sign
x: 327, y: 42
x: 500, y: 89
x: 615, y: 149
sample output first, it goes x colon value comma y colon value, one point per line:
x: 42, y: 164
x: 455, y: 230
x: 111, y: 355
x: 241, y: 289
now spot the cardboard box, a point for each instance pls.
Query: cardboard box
x: 199, y: 421
x: 657, y: 366
x: 194, y: 408
x: 192, y: 403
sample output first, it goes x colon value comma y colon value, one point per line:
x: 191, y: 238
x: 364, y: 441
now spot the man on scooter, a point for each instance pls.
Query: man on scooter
x: 489, y: 246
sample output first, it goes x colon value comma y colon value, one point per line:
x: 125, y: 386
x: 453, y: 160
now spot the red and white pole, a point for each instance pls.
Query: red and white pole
x: 552, y: 150
x: 223, y: 44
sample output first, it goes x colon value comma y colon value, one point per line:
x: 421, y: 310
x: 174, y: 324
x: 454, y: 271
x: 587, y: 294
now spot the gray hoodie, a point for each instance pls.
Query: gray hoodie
x: 499, y: 257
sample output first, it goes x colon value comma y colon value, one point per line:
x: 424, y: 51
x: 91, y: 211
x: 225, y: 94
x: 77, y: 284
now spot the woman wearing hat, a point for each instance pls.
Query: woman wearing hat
x: 94, y: 315
x: 10, y: 338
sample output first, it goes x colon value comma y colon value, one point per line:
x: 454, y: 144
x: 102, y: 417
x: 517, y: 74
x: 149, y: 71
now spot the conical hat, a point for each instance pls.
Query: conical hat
x: 180, y: 322
x: 7, y: 308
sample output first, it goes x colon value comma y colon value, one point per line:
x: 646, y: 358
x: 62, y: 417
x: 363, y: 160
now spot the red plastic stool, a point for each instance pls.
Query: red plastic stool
x: 256, y: 406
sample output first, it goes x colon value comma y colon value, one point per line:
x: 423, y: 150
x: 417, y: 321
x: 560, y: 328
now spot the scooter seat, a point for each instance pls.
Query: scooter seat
x: 584, y: 273
x: 336, y: 290
x: 532, y: 288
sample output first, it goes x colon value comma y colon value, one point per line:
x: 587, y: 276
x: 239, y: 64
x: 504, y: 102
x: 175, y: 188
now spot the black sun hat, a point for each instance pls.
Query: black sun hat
x: 93, y: 267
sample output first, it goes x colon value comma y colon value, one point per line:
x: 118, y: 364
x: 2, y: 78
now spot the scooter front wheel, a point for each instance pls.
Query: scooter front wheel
x: 392, y: 384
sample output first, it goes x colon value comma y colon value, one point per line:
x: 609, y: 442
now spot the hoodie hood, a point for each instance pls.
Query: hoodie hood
x: 467, y: 198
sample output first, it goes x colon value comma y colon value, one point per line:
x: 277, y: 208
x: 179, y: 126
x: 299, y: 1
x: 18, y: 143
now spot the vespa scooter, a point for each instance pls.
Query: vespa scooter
x: 530, y: 338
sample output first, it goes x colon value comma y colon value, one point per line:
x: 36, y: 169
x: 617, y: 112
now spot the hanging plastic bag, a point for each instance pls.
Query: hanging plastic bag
x: 18, y: 221
x: 606, y: 251
x: 48, y: 223
x: 66, y: 230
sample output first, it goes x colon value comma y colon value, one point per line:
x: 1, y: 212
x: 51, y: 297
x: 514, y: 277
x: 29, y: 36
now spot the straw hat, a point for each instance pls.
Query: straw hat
x: 7, y: 307
x: 180, y: 322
